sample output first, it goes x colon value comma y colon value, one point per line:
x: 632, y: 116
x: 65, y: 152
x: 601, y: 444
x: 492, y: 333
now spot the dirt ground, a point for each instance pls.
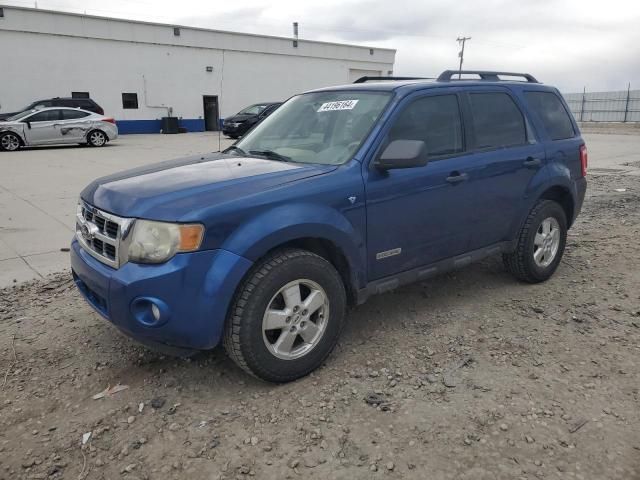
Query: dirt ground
x: 479, y: 377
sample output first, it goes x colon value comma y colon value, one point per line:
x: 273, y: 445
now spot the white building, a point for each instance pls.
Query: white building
x: 195, y: 74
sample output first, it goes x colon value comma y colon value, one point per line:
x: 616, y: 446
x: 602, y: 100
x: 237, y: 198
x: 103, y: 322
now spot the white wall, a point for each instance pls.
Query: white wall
x: 48, y: 54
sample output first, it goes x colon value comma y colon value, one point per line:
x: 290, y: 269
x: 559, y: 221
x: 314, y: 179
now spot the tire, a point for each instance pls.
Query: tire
x: 10, y: 142
x: 540, y: 244
x: 272, y: 354
x: 97, y: 138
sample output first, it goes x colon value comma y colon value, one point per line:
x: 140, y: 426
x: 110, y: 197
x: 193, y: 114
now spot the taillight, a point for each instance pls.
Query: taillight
x: 583, y: 159
x: 110, y: 120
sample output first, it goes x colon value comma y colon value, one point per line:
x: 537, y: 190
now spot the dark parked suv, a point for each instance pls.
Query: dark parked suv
x: 343, y: 193
x: 240, y: 123
x: 83, y: 103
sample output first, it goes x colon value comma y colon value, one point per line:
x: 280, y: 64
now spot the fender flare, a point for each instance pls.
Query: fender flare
x: 555, y: 179
x: 287, y: 223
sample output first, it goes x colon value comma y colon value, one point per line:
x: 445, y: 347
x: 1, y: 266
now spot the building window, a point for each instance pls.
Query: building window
x: 130, y: 101
x: 80, y: 95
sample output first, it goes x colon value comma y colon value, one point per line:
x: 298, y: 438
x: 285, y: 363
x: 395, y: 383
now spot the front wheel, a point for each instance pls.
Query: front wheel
x: 96, y: 138
x: 9, y: 142
x: 540, y: 244
x: 287, y: 316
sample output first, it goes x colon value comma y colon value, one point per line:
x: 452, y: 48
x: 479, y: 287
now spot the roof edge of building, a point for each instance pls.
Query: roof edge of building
x: 187, y: 27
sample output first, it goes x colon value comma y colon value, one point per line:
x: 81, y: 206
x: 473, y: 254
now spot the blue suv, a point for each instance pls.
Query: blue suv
x: 341, y: 193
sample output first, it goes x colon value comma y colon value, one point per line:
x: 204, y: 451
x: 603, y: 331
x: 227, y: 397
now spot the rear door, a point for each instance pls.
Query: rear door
x: 40, y: 127
x: 506, y: 157
x: 73, y: 126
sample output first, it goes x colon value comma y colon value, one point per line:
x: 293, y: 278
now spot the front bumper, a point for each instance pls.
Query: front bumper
x: 581, y: 190
x: 192, y: 293
x: 229, y: 129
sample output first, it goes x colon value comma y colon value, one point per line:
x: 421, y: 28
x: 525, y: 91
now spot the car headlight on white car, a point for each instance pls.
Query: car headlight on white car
x: 157, y: 242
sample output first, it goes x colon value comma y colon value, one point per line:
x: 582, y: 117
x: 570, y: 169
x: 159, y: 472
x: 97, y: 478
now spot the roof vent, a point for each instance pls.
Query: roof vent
x: 176, y: 31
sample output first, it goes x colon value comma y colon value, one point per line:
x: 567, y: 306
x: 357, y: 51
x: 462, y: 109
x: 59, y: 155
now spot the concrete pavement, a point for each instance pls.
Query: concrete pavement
x: 39, y: 189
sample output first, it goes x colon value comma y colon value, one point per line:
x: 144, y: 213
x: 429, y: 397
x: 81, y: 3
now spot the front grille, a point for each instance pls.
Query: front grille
x: 107, y: 227
x: 100, y: 233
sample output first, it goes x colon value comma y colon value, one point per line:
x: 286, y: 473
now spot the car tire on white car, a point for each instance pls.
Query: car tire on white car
x: 286, y: 317
x: 10, y: 142
x: 97, y: 138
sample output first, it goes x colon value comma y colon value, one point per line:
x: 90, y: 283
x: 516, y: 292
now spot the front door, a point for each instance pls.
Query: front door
x: 41, y: 127
x: 417, y: 216
x: 211, y: 119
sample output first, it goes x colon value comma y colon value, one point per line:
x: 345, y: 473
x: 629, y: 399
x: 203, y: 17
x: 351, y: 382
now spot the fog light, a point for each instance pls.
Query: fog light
x: 150, y: 312
x: 155, y: 311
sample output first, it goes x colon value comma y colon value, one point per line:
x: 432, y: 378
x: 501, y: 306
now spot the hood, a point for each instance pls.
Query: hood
x: 5, y: 115
x: 177, y: 189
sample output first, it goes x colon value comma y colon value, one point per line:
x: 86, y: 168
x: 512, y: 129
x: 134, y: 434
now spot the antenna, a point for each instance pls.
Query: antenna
x: 461, y: 54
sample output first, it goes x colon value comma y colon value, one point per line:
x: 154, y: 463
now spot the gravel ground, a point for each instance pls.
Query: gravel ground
x: 471, y: 375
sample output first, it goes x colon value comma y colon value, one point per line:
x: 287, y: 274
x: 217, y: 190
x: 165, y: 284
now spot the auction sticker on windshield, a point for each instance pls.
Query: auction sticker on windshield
x: 340, y: 105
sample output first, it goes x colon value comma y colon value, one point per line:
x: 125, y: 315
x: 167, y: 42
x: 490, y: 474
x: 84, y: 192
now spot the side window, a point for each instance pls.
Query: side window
x: 130, y: 101
x: 552, y: 114
x: 434, y: 120
x: 46, y: 116
x: 73, y: 114
x: 497, y: 120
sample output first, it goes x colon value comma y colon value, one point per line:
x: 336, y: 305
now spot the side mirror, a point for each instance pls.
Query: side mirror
x: 402, y: 154
x: 28, y: 124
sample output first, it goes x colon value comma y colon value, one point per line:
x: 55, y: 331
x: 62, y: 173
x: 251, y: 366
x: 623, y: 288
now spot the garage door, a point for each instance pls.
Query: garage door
x: 355, y: 74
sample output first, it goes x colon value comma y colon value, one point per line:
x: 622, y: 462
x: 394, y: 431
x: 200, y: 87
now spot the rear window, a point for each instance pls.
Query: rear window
x: 497, y: 121
x: 73, y: 114
x: 548, y: 107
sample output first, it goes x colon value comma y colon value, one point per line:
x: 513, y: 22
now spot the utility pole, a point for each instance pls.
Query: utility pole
x: 461, y: 40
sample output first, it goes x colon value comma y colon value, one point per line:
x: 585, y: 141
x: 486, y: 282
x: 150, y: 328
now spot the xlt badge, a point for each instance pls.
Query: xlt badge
x: 388, y: 253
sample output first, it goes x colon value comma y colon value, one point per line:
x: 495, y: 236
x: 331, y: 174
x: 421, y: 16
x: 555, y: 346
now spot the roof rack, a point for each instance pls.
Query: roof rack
x: 375, y: 79
x: 489, y: 76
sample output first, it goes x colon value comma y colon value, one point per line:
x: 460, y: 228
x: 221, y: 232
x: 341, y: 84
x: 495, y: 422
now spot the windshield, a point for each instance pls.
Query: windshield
x: 252, y: 110
x: 319, y: 127
x: 18, y: 116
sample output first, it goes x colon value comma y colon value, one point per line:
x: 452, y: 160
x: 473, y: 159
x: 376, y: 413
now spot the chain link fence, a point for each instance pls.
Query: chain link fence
x: 618, y: 106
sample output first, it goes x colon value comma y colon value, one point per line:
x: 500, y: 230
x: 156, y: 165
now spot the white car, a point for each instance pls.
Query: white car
x: 56, y: 125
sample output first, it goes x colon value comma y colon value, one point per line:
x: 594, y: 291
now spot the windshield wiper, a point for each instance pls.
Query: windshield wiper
x: 270, y: 154
x: 233, y: 148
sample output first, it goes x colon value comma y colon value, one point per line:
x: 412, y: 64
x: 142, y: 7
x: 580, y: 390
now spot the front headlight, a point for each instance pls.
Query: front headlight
x: 157, y: 242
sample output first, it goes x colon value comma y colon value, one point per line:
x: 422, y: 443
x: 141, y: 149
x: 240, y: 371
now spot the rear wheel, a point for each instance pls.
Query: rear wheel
x: 540, y: 244
x: 10, y: 142
x: 287, y: 316
x: 97, y: 138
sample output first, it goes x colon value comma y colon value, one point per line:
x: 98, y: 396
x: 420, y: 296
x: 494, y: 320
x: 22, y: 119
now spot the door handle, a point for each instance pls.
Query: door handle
x: 532, y: 162
x: 456, y: 177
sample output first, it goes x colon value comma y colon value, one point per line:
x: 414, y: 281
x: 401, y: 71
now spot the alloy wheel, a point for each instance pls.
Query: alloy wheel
x: 546, y: 242
x: 295, y: 319
x: 10, y: 142
x: 97, y: 138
